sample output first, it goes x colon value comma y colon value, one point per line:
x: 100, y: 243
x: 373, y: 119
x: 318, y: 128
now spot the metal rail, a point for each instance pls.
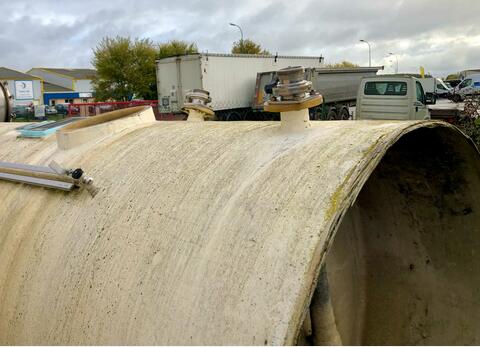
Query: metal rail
x: 52, y: 176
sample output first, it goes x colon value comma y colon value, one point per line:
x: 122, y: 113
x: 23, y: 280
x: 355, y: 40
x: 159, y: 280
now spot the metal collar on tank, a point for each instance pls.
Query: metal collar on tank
x: 292, y: 97
x: 195, y: 105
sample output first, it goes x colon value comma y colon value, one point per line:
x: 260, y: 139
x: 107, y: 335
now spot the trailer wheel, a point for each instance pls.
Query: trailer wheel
x: 344, y: 114
x: 332, y: 114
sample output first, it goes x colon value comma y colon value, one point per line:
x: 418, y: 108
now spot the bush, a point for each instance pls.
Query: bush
x: 469, y: 122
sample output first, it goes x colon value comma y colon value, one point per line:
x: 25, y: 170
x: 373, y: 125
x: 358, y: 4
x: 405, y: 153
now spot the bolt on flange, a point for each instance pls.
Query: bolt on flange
x: 292, y: 84
x: 197, y: 97
x: 293, y: 92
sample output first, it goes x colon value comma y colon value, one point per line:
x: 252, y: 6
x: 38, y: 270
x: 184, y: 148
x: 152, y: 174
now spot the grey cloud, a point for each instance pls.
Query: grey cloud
x: 71, y: 29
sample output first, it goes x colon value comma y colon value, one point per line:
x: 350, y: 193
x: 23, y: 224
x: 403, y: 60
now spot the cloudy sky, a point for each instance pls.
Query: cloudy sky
x: 441, y: 35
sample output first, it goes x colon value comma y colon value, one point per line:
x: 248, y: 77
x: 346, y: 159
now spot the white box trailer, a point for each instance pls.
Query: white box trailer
x: 230, y: 78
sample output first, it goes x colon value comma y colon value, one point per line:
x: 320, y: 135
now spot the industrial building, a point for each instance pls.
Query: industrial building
x: 66, y: 85
x: 25, y: 88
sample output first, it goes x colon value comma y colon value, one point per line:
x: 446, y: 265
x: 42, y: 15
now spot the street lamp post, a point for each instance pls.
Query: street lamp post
x: 241, y: 32
x: 369, y: 52
x: 396, y: 58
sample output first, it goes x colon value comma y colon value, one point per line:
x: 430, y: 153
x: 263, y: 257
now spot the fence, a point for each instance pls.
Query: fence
x: 96, y: 108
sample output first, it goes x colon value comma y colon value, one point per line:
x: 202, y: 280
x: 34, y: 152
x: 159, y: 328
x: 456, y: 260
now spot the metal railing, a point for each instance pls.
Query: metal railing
x: 95, y: 108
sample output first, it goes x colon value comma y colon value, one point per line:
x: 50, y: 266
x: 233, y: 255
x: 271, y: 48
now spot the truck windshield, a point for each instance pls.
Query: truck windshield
x: 442, y: 85
x: 386, y: 88
x: 465, y: 83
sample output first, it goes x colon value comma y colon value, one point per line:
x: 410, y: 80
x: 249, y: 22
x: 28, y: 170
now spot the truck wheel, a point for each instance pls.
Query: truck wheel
x: 344, y: 114
x: 315, y: 113
x: 456, y: 98
x: 332, y: 114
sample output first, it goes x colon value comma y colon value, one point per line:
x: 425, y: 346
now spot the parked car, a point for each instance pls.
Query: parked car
x: 62, y: 108
x: 22, y: 111
x: 50, y: 110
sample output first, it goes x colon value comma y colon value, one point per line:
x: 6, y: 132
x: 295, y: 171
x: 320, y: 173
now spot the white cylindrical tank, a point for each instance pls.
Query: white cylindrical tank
x: 215, y: 233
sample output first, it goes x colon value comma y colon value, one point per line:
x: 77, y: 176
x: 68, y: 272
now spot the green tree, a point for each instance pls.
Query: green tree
x: 176, y: 47
x: 248, y: 47
x: 125, y: 69
x: 343, y: 64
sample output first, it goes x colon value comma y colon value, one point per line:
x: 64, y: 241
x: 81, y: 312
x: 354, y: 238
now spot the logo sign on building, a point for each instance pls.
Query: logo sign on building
x: 23, y: 90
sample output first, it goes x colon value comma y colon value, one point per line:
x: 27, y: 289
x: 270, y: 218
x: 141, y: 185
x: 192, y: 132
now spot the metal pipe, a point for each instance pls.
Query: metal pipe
x: 37, y: 174
x: 292, y: 97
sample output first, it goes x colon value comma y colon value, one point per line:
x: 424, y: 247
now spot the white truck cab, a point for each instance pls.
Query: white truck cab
x: 470, y: 85
x: 391, y: 98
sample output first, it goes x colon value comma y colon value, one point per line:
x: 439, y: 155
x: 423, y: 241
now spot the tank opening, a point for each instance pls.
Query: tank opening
x: 92, y: 128
x: 403, y: 267
x: 104, y: 118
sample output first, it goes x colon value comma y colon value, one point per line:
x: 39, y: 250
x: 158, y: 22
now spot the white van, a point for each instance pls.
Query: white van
x: 391, y: 98
x: 470, y: 85
x: 435, y: 85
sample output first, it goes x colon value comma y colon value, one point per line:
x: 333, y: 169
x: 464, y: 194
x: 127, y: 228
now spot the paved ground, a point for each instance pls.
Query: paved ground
x: 445, y: 104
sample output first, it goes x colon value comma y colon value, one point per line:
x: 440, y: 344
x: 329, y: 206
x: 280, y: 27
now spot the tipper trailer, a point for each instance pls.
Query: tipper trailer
x: 338, y: 87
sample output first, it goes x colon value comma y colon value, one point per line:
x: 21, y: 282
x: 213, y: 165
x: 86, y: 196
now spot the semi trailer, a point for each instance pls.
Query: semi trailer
x: 230, y: 79
x: 338, y: 87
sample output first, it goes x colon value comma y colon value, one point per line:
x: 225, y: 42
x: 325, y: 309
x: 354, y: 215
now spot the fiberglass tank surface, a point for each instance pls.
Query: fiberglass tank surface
x: 214, y: 233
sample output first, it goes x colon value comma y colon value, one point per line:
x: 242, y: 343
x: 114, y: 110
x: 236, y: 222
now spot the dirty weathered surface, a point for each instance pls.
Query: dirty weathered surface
x: 214, y: 233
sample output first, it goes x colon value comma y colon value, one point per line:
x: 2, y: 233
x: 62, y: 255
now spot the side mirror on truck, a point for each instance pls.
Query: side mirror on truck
x: 430, y: 98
